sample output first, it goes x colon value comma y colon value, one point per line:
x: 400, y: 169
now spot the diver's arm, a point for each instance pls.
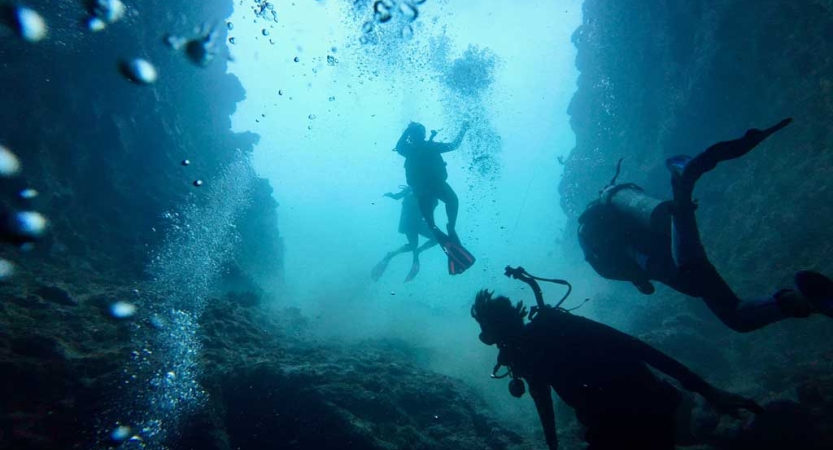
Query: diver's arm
x: 540, y: 392
x: 399, y: 195
x: 451, y: 146
x: 724, y: 401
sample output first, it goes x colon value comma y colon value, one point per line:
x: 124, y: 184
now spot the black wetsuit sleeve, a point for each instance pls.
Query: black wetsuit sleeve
x: 540, y: 392
x: 635, y: 348
x: 445, y: 147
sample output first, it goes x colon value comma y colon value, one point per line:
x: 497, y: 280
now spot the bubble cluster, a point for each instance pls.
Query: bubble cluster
x: 105, y: 12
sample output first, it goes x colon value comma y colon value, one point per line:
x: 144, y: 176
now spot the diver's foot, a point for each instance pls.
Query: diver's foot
x: 818, y: 289
x: 414, y: 271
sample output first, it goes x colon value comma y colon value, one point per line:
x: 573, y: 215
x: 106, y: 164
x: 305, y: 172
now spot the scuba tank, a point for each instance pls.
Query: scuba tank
x: 631, y: 201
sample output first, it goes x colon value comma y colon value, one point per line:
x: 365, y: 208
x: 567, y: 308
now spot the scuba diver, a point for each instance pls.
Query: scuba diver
x: 426, y: 173
x: 627, y: 235
x: 597, y: 370
x: 412, y: 225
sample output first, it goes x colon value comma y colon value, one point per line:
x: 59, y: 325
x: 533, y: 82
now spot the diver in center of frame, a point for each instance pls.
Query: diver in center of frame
x: 597, y: 370
x: 425, y: 172
x: 627, y: 235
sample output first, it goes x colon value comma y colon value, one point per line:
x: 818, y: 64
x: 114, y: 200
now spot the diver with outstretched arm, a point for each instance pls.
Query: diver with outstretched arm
x: 412, y: 225
x: 597, y: 370
x: 425, y: 172
x: 627, y: 235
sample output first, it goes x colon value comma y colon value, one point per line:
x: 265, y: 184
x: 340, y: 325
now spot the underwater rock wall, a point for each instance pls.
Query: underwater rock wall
x: 104, y: 153
x: 667, y: 77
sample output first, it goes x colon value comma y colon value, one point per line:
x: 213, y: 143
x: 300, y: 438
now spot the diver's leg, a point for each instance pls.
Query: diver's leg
x: 380, y: 267
x: 427, y: 206
x: 446, y: 195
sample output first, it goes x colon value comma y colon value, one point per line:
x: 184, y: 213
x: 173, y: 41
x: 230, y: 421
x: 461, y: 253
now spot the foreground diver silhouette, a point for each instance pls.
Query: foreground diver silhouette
x: 426, y: 173
x: 412, y: 225
x: 597, y: 370
x: 629, y: 236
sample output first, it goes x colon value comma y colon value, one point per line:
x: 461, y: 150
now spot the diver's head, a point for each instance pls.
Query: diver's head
x: 416, y: 131
x: 499, y: 320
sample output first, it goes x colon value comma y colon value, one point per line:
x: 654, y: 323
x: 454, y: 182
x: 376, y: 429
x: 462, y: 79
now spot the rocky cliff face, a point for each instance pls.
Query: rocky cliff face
x: 105, y: 153
x: 665, y: 78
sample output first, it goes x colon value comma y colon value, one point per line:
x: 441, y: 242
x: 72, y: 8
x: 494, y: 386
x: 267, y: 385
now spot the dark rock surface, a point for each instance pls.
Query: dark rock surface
x: 667, y: 77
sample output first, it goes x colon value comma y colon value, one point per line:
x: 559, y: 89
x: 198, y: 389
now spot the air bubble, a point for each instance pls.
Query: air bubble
x: 232, y: 40
x: 30, y: 24
x: 296, y: 59
x: 197, y: 183
x: 230, y: 26
x: 311, y: 117
x: 6, y: 270
x: 122, y: 310
x: 265, y: 32
x: 9, y: 164
x: 139, y: 71
x: 28, y: 194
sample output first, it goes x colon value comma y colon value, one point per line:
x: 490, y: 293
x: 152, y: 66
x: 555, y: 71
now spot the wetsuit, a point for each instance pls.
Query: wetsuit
x: 603, y: 375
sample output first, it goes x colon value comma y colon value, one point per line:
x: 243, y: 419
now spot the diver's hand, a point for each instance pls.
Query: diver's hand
x: 729, y: 403
x: 388, y: 195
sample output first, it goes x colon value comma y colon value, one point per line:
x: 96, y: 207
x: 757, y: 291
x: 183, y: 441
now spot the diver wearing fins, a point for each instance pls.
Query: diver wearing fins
x: 627, y: 235
x: 426, y: 173
x: 597, y: 370
x: 412, y: 225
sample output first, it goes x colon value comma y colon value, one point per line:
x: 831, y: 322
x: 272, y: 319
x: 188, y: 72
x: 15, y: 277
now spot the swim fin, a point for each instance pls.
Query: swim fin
x: 818, y: 289
x: 688, y: 170
x: 459, y: 259
x: 414, y: 271
x: 379, y: 269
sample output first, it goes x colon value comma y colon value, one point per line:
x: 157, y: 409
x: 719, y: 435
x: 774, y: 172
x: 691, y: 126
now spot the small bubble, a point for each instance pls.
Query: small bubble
x: 6, y: 270
x: 197, y: 183
x: 29, y: 225
x: 95, y: 24
x: 186, y: 162
x: 407, y: 32
x: 139, y: 71
x: 121, y: 433
x: 28, y: 194
x: 392, y: 293
x: 9, y: 164
x: 122, y: 310
x: 232, y: 40
x: 296, y: 59
x: 311, y: 117
x: 332, y: 98
x: 280, y: 91
x: 230, y: 26
x: 367, y: 27
x: 331, y: 60
x: 170, y: 376
x: 265, y: 32
x: 30, y: 24
x: 272, y: 41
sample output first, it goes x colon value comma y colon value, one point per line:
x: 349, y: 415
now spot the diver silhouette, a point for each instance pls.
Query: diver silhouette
x: 597, y: 370
x: 425, y: 172
x: 627, y: 235
x: 412, y: 225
